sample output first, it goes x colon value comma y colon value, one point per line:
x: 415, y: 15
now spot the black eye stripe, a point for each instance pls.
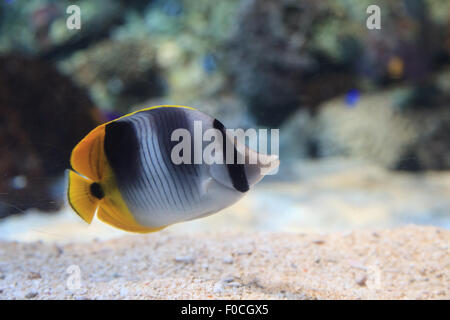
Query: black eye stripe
x: 121, y: 149
x: 235, y: 170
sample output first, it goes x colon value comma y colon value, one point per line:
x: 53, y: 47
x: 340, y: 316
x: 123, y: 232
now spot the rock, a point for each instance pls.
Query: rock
x: 279, y: 27
x: 234, y: 284
x: 34, y: 275
x: 371, y: 130
x: 188, y: 38
x: 228, y: 260
x: 298, y: 136
x: 314, y: 53
x: 218, y: 287
x: 40, y: 27
x: 123, y: 292
x: 31, y: 295
x: 361, y: 281
x: 379, y: 129
x: 113, y: 83
x: 228, y: 279
x: 186, y: 259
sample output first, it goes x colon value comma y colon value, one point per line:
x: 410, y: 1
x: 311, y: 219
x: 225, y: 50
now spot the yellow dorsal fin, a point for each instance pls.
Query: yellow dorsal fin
x: 155, y: 107
x: 88, y: 157
x: 80, y: 196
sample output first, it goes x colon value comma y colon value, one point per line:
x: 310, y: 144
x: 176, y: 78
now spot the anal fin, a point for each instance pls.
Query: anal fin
x: 110, y: 214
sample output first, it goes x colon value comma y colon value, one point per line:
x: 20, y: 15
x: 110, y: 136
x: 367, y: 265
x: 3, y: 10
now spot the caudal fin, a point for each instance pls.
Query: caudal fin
x: 80, y: 196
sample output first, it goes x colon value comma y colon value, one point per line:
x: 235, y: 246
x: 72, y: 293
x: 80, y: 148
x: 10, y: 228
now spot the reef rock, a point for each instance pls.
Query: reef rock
x: 287, y: 54
x: 118, y: 74
x: 42, y: 116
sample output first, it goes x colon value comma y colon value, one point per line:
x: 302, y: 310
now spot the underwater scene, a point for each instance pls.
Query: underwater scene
x: 238, y: 149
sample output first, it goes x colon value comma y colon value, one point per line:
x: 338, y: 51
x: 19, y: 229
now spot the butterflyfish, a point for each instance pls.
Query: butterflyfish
x: 125, y: 173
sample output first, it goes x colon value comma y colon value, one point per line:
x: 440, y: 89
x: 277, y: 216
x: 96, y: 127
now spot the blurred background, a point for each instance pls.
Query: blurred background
x: 364, y: 115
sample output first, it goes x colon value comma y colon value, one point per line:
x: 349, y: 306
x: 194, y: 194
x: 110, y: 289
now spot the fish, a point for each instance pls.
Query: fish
x: 124, y: 172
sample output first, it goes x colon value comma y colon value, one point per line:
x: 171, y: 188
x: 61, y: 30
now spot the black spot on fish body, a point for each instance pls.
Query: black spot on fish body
x: 235, y: 170
x: 97, y: 190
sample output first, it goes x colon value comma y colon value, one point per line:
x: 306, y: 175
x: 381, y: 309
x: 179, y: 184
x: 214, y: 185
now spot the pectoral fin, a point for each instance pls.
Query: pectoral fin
x: 80, y: 197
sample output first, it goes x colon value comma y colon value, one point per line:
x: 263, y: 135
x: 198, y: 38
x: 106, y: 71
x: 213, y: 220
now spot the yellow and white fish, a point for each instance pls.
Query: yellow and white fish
x: 123, y: 171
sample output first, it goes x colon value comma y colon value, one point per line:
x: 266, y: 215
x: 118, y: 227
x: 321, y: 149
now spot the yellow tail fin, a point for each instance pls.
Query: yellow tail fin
x: 80, y: 197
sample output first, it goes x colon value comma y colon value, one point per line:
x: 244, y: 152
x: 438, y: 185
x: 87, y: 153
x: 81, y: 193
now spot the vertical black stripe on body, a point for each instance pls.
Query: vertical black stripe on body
x: 235, y: 170
x: 122, y: 151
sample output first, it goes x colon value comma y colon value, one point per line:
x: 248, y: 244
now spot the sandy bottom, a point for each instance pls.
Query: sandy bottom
x: 405, y: 263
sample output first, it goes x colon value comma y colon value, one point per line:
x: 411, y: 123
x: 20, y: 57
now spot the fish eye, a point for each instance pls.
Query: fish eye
x: 97, y: 190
